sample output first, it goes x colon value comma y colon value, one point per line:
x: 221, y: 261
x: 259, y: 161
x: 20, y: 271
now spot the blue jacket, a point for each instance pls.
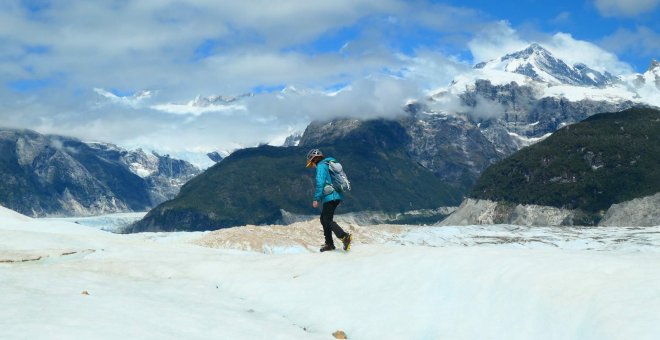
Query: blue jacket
x: 323, y: 178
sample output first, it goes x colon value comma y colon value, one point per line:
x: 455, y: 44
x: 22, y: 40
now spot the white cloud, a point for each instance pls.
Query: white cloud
x: 494, y: 41
x: 372, y: 97
x: 625, y: 8
x: 451, y: 103
x: 642, y: 41
x: 448, y: 18
x: 431, y: 70
x: 573, y: 51
x: 183, y: 49
x: 486, y: 109
x: 188, y: 109
x: 246, y: 70
x: 154, y: 44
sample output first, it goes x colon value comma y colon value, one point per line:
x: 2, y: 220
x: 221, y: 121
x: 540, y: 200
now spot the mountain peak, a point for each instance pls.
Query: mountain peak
x: 533, y: 49
x: 539, y: 64
x: 536, y: 46
x: 533, y: 53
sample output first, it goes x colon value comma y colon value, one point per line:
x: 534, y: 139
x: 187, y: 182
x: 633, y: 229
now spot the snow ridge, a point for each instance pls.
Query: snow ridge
x: 539, y: 64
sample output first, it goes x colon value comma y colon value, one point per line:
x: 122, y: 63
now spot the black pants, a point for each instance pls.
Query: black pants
x: 330, y: 226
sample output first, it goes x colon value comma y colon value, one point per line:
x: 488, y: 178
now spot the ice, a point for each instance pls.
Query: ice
x: 398, y: 282
x: 614, y: 93
x: 108, y: 222
x: 141, y: 170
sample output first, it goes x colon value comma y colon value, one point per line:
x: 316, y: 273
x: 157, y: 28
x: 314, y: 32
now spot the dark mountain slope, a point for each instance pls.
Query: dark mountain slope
x: 251, y: 186
x: 607, y: 158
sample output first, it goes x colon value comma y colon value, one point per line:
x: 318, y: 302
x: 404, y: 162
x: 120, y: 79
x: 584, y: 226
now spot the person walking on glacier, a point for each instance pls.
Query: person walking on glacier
x: 330, y: 183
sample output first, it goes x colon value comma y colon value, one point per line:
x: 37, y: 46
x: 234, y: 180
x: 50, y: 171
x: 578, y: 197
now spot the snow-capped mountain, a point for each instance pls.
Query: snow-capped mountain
x: 293, y: 139
x: 534, y: 87
x: 540, y: 65
x: 163, y: 174
x: 200, y: 159
x: 501, y: 106
x: 57, y: 175
x: 546, y: 76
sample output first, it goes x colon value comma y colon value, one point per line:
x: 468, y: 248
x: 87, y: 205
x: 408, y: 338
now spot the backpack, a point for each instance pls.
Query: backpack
x: 340, y: 181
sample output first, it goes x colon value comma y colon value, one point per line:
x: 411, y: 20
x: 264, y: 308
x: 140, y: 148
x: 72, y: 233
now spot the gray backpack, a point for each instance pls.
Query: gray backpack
x: 340, y: 181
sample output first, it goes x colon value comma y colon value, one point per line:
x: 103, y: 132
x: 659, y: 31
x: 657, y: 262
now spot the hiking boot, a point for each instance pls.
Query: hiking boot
x: 327, y: 247
x: 346, y: 240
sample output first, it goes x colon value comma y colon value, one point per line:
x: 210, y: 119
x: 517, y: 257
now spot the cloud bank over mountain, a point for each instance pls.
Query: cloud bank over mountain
x: 70, y: 68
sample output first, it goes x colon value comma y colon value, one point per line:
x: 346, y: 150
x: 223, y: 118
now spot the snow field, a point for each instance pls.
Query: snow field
x: 109, y: 222
x: 401, y: 283
x: 465, y: 293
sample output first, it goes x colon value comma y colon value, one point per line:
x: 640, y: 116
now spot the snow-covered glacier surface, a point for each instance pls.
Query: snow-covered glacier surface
x: 307, y: 236
x: 63, y: 280
x: 107, y: 222
x: 619, y: 239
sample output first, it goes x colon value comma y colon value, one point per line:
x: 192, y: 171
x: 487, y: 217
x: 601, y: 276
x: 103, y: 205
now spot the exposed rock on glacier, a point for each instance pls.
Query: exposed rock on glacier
x: 474, y: 211
x: 639, y: 212
x: 643, y: 211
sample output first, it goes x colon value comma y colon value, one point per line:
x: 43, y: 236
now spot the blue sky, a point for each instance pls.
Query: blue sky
x: 582, y: 19
x: 124, y: 71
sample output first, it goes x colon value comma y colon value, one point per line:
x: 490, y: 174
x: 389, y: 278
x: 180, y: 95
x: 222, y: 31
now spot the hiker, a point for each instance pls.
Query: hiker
x: 330, y: 198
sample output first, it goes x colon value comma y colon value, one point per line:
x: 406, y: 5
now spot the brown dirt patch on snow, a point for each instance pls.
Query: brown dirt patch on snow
x: 308, y: 235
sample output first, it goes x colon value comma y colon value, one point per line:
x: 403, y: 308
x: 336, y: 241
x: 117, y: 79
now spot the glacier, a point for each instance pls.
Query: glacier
x: 59, y: 279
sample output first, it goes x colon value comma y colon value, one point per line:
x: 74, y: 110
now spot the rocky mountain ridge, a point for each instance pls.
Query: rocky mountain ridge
x: 46, y: 175
x: 540, y: 65
x: 501, y: 107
